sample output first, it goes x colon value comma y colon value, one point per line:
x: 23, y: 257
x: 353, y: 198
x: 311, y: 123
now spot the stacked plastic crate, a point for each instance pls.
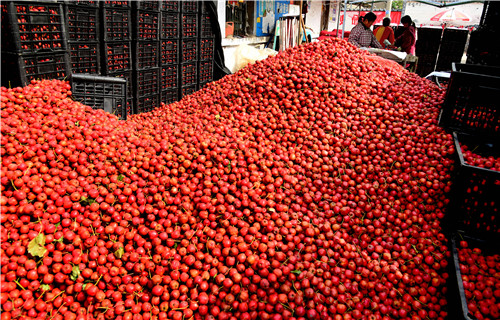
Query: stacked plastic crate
x: 116, y: 43
x: 33, y: 42
x: 169, y: 51
x: 206, y: 53
x: 188, y: 43
x: 82, y: 27
x: 146, y: 55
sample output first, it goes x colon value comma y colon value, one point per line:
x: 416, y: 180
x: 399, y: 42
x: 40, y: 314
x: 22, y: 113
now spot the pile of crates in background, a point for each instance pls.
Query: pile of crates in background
x: 163, y: 49
x: 34, y: 42
x: 471, y: 114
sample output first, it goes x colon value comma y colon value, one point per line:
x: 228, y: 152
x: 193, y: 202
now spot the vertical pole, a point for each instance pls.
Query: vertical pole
x: 345, y: 17
x: 388, y: 8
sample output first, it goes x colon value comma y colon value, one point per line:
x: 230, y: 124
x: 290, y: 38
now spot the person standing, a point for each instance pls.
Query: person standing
x: 361, y: 35
x: 408, y: 38
x: 385, y: 32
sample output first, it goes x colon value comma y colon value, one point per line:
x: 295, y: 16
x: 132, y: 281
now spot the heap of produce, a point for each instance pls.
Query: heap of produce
x: 309, y: 185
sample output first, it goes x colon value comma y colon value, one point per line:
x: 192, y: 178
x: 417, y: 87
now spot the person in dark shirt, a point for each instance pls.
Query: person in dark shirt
x: 408, y: 38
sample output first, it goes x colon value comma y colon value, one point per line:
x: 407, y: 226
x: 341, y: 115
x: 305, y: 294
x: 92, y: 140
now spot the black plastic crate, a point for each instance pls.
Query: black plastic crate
x: 189, y: 25
x: 118, y: 56
x: 33, y: 27
x: 169, y: 96
x: 205, y: 71
x: 206, y: 30
x: 147, y: 54
x: 188, y: 73
x: 107, y: 93
x: 83, y: 3
x: 118, y: 4
x: 82, y: 23
x: 188, y: 6
x: 147, y: 103
x: 474, y: 206
x: 206, y: 49
x: 147, y: 5
x: 147, y: 82
x: 472, y: 100
x: 169, y: 25
x: 169, y: 51
x: 202, y: 85
x: 147, y: 25
x: 84, y: 57
x: 169, y: 76
x: 187, y: 90
x: 169, y: 5
x: 482, y: 248
x: 130, y: 107
x: 20, y: 69
x: 189, y: 50
x: 128, y: 76
x: 117, y: 24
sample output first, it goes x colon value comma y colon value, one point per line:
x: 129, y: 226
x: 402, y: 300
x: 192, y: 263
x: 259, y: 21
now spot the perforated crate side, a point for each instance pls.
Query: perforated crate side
x: 169, y: 96
x: 189, y: 6
x: 189, y: 50
x: 187, y: 90
x: 169, y: 5
x: 128, y: 76
x: 83, y: 3
x: 117, y: 4
x: 206, y: 49
x: 20, y: 69
x: 106, y: 93
x: 147, y: 54
x: 205, y: 71
x: 82, y: 23
x: 147, y: 82
x: 189, y: 25
x: 117, y: 24
x: 206, y: 30
x: 147, y: 5
x: 84, y: 57
x: 147, y: 25
x: 118, y: 56
x: 471, y: 103
x: 33, y: 27
x: 169, y: 76
x: 189, y: 74
x: 169, y: 25
x: 474, y: 206
x: 169, y: 52
x: 147, y: 103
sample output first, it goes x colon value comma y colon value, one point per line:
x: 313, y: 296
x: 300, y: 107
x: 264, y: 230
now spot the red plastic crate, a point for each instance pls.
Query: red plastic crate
x: 169, y: 76
x: 147, y: 25
x: 206, y: 49
x: 189, y: 26
x: 169, y: 25
x: 205, y: 71
x: 189, y: 74
x: 31, y: 27
x: 82, y: 23
x: 147, y: 54
x: 84, y: 57
x: 169, y: 96
x: 147, y: 82
x: 118, y: 56
x: 189, y: 50
x: 117, y: 24
x: 169, y: 52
